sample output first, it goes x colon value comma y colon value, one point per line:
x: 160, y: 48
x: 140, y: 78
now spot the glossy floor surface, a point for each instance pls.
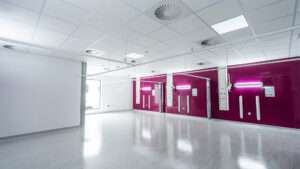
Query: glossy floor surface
x: 129, y: 140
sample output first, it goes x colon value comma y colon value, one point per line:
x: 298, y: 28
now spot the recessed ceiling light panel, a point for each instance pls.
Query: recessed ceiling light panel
x: 134, y: 55
x: 230, y: 25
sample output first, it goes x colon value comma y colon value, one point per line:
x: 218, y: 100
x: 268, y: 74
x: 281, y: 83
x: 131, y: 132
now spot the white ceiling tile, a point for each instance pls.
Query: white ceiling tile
x: 271, y: 12
x: 145, y: 41
x: 275, y: 45
x: 89, y: 5
x: 65, y: 11
x: 16, y: 30
x: 179, y: 45
x: 163, y: 34
x: 238, y: 35
x: 16, y: 23
x: 276, y: 37
x: 252, y: 48
x: 34, y: 5
x: 117, y: 10
x: 277, y: 53
x: 49, y: 39
x: 200, y: 4
x: 252, y: 5
x: 56, y: 25
x: 276, y: 24
x: 221, y: 11
x: 297, y: 20
x: 103, y: 23
x: 133, y: 48
x: 114, y: 48
x: 144, y: 24
x: 142, y: 5
x: 295, y: 48
x: 106, y: 43
x: 87, y: 33
x: 200, y: 34
x: 76, y: 45
x: 298, y: 7
x: 159, y: 47
x: 17, y: 14
x: 187, y: 25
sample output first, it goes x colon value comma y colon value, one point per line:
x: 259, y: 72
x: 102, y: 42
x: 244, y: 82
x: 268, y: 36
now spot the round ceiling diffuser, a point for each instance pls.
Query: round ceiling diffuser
x: 167, y: 11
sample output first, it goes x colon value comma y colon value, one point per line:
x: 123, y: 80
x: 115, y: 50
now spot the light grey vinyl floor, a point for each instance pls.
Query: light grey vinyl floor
x: 138, y: 140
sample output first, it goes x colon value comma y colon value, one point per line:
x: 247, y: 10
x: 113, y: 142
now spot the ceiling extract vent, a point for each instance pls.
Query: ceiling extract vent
x: 210, y: 42
x: 11, y: 47
x: 200, y: 63
x: 168, y: 10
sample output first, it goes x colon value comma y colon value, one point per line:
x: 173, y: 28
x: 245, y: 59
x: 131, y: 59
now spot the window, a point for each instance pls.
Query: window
x: 92, y: 94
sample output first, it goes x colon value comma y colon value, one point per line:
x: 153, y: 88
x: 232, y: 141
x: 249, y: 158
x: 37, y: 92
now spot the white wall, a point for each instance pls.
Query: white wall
x: 37, y: 93
x: 116, y: 93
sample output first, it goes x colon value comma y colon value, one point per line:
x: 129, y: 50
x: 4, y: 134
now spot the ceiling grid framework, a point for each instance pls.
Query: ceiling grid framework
x: 118, y: 27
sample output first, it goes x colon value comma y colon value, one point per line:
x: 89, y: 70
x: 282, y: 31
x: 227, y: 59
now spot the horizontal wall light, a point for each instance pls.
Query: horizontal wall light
x: 183, y: 87
x: 146, y: 88
x: 252, y: 84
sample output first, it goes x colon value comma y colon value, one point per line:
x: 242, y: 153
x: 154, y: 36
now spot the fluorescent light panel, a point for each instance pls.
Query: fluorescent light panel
x: 134, y: 55
x: 230, y: 25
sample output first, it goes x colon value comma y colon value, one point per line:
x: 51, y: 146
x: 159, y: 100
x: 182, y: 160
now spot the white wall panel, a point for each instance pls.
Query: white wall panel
x: 116, y: 93
x: 37, y: 93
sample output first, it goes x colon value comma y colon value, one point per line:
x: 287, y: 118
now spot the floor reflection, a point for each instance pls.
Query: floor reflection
x: 92, y: 138
x: 138, y: 140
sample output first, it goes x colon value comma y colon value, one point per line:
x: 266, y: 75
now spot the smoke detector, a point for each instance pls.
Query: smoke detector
x: 167, y: 11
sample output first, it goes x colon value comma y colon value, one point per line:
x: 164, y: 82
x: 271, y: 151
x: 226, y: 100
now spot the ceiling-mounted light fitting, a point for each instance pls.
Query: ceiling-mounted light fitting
x: 94, y: 52
x: 134, y: 55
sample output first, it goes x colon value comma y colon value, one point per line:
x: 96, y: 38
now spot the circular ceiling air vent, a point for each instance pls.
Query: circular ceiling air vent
x: 168, y: 11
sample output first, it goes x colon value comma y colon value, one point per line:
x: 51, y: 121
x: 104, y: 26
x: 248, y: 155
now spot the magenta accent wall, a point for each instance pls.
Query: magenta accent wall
x: 283, y: 110
x: 144, y: 83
